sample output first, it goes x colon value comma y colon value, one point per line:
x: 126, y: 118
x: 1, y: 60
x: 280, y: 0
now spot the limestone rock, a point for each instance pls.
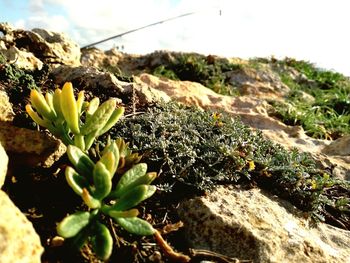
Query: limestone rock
x: 249, y: 224
x: 3, y: 165
x: 61, y: 48
x: 22, y: 58
x: 6, y: 111
x: 130, y: 64
x: 30, y: 147
x: 91, y: 77
x: 262, y: 83
x: 340, y: 147
x: 19, y: 242
x: 38, y: 46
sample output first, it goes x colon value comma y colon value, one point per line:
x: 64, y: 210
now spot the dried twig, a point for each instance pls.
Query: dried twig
x: 168, y: 250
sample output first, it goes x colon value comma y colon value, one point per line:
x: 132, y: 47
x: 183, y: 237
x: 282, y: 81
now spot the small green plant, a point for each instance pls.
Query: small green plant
x: 93, y: 182
x: 61, y: 113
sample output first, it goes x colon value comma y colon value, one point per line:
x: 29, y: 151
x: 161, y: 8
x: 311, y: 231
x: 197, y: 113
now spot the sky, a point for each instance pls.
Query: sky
x: 313, y: 30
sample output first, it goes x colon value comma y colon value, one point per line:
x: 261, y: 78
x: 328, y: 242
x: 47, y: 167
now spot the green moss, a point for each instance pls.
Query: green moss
x: 18, y: 83
x: 197, y: 150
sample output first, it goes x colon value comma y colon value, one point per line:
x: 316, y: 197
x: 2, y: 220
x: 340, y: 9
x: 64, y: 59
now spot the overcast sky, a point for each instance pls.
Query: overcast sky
x: 312, y: 30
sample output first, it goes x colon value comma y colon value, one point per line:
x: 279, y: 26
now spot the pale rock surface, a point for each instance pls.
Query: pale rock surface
x: 22, y: 58
x: 340, y: 147
x: 91, y: 78
x: 37, y: 47
x: 19, y: 243
x: 3, y: 165
x: 30, y: 147
x: 252, y: 225
x: 262, y: 83
x: 129, y: 64
x: 6, y: 111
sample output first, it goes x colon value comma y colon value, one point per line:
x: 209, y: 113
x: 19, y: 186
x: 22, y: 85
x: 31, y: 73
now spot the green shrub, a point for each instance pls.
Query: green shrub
x: 209, y: 71
x: 197, y: 150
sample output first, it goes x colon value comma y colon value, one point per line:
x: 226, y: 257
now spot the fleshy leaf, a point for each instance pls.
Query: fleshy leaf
x: 129, y: 177
x: 117, y: 113
x: 81, y: 161
x: 102, y: 241
x: 99, y: 119
x: 128, y: 213
x: 69, y: 107
x: 42, y: 122
x: 72, y: 224
x: 112, y: 147
x: 76, y: 181
x: 90, y: 201
x: 135, y: 225
x: 133, y: 197
x: 142, y: 180
x: 80, y: 101
x: 108, y: 160
x: 57, y: 103
x: 39, y: 103
x: 102, y: 181
x: 92, y: 107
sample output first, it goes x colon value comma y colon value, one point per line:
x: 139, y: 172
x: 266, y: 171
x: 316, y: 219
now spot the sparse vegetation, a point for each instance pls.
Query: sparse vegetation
x: 198, y: 150
x: 324, y: 112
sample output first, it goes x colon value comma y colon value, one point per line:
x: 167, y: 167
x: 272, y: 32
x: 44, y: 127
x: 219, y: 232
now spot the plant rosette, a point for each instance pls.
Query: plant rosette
x: 93, y: 182
x: 61, y: 114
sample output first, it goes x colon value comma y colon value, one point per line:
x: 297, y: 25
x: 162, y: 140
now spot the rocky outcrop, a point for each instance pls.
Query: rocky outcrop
x: 6, y: 112
x: 19, y: 242
x: 91, y: 78
x: 3, y: 165
x: 29, y: 147
x: 129, y: 64
x: 262, y: 83
x: 30, y: 49
x: 252, y: 225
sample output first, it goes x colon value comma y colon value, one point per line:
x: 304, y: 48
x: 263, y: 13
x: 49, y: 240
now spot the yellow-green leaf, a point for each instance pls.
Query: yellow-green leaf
x: 39, y: 103
x: 69, y: 107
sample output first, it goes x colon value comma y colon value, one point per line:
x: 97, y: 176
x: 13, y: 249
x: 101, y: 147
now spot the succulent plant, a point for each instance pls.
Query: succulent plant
x: 93, y: 182
x: 61, y: 113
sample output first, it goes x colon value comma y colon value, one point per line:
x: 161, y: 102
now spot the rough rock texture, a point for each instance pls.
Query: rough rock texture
x: 6, y: 112
x: 249, y: 224
x: 129, y: 64
x: 340, y: 147
x: 30, y: 147
x: 29, y: 49
x: 18, y: 241
x: 90, y: 77
x: 262, y: 83
x: 3, y: 165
